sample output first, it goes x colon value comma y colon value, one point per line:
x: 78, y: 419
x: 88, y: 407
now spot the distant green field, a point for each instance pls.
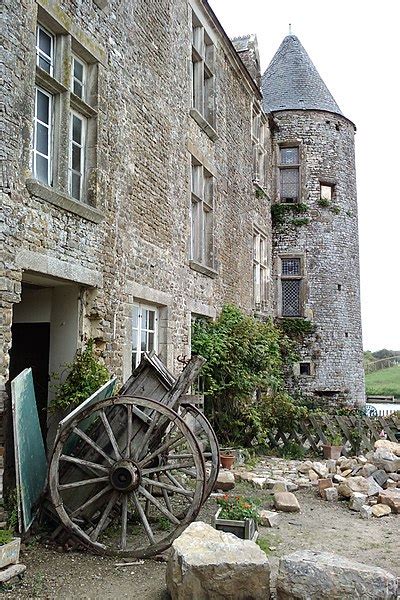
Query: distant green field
x: 385, y: 382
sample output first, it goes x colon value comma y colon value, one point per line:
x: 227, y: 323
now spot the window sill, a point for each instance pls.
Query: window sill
x: 205, y: 125
x: 48, y: 82
x: 81, y: 106
x: 35, y: 188
x: 203, y: 269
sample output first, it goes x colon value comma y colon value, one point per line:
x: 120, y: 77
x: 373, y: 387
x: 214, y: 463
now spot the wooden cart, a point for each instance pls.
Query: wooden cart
x: 129, y: 473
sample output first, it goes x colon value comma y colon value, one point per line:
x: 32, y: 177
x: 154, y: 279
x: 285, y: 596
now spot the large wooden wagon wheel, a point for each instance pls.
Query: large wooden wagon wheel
x: 127, y: 476
x: 207, y: 441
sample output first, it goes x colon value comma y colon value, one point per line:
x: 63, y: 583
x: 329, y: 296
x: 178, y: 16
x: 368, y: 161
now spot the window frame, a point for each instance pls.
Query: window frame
x: 202, y: 215
x: 202, y: 71
x: 41, y: 54
x: 292, y: 277
x: 259, y: 146
x: 83, y: 83
x: 71, y: 171
x: 141, y: 308
x: 260, y: 270
x: 283, y: 166
x: 50, y: 144
x: 331, y: 187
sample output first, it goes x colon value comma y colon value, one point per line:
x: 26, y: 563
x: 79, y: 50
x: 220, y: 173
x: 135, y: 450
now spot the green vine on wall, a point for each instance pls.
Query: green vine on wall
x: 288, y: 214
x: 85, y: 375
x: 296, y: 328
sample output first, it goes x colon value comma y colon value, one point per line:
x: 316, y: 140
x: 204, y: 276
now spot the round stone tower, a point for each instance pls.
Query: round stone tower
x: 315, y: 229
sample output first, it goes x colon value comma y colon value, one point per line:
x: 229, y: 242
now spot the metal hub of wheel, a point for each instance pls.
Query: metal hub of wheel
x: 125, y: 476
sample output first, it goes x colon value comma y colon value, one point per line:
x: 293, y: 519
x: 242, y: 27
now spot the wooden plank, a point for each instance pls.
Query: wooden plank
x: 30, y: 455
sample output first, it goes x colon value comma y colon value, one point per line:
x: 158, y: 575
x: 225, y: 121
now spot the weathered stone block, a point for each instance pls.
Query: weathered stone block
x: 207, y: 564
x: 225, y: 481
x: 330, y: 494
x: 286, y: 502
x: 391, y: 498
x: 381, y: 510
x: 310, y: 575
x: 357, y: 500
x: 268, y: 518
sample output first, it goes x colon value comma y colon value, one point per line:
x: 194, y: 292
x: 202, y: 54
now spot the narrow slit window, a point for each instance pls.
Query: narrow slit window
x: 44, y: 49
x: 260, y: 270
x: 77, y: 155
x: 42, y: 136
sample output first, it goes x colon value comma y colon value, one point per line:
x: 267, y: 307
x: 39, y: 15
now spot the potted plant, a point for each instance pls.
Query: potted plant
x: 237, y: 515
x: 9, y: 548
x: 333, y: 448
x: 227, y: 458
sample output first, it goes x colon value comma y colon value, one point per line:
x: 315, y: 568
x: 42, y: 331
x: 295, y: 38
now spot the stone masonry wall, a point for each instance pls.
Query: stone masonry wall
x: 329, y: 244
x: 138, y: 248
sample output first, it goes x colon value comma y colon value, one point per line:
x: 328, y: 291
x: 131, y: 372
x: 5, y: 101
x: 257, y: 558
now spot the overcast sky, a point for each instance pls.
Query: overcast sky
x: 354, y: 45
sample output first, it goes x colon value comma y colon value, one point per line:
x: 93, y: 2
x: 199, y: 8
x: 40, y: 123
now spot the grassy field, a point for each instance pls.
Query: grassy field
x: 385, y: 382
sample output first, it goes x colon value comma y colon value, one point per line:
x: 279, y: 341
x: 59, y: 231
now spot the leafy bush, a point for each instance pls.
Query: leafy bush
x: 86, y: 374
x: 245, y: 359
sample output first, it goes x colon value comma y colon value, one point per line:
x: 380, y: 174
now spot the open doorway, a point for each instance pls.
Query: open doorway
x: 45, y: 334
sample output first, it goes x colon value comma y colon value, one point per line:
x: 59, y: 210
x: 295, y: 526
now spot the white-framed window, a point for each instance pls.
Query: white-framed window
x: 78, y: 75
x: 259, y: 145
x: 77, y: 155
x: 291, y: 286
x: 45, y: 49
x: 42, y: 136
x: 202, y: 71
x: 289, y: 174
x: 144, y: 331
x: 260, y: 270
x: 202, y: 239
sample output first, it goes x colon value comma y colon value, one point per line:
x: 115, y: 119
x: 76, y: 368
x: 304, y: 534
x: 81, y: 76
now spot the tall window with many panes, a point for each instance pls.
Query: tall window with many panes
x: 259, y: 146
x: 202, y: 205
x: 144, y: 331
x: 63, y: 117
x: 291, y: 286
x: 289, y: 174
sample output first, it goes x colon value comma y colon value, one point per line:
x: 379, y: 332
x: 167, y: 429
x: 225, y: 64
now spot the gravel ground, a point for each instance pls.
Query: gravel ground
x: 320, y: 525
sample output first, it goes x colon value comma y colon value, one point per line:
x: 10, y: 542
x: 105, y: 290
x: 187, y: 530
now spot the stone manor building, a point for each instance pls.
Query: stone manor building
x: 150, y: 175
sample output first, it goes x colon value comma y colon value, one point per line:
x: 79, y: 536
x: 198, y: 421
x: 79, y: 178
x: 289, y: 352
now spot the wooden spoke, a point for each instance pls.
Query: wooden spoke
x: 90, y: 501
x: 110, y: 434
x: 124, y: 521
x: 84, y: 463
x: 89, y: 441
x: 174, y: 480
x: 166, y: 497
x: 167, y: 467
x: 110, y: 505
x: 74, y: 484
x: 144, y: 441
x: 166, y: 486
x: 143, y: 518
x: 129, y: 409
x: 172, y: 443
x: 142, y: 415
x: 158, y: 505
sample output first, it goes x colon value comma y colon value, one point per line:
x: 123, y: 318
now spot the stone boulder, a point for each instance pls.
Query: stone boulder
x: 393, y: 447
x: 206, y: 564
x: 286, y: 502
x: 391, y: 498
x: 381, y: 510
x: 225, y: 481
x: 311, y: 575
x: 362, y: 485
x: 387, y: 460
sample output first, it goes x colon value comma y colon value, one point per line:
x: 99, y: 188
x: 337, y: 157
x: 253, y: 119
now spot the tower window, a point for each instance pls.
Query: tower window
x: 289, y: 174
x: 305, y: 368
x: 326, y: 192
x: 291, y: 287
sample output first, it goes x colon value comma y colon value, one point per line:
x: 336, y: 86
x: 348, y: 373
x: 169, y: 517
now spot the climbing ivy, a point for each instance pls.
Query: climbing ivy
x: 296, y: 328
x: 85, y: 375
x: 288, y: 214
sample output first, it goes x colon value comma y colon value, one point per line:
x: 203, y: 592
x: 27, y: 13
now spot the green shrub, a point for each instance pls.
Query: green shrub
x: 245, y: 359
x: 86, y: 374
x: 6, y: 536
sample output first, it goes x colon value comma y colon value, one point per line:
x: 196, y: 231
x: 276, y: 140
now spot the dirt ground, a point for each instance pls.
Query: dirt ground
x: 321, y: 525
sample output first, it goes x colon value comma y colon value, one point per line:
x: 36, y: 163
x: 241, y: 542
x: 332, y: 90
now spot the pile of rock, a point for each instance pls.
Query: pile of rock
x: 371, y: 483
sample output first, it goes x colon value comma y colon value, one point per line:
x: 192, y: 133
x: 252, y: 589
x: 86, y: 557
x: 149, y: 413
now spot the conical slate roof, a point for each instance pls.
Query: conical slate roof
x: 292, y: 82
